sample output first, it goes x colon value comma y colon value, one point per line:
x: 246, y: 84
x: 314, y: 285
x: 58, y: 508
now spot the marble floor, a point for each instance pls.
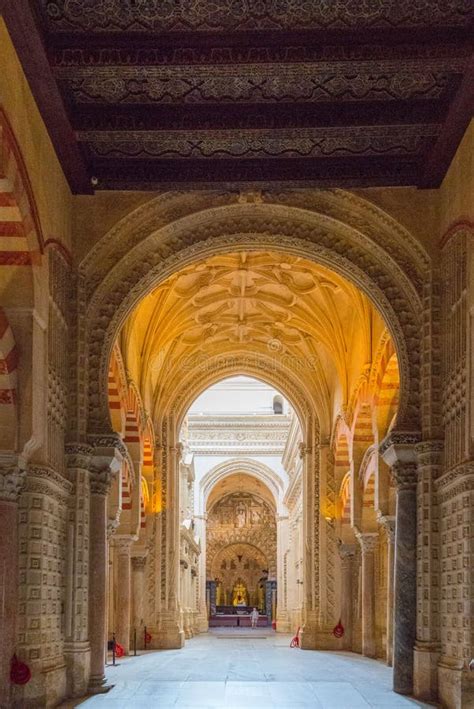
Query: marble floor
x: 225, y: 670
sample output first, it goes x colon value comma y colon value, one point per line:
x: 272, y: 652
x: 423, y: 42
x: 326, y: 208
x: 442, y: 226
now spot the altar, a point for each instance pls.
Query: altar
x: 235, y: 617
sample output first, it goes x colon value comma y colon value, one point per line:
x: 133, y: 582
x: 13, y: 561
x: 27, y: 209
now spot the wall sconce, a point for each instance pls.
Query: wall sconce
x: 330, y: 521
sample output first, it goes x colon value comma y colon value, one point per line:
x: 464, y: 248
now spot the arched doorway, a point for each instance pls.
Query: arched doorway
x: 321, y: 240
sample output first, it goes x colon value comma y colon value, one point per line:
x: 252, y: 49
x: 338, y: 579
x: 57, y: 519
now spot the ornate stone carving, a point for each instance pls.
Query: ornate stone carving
x: 368, y: 541
x: 347, y: 552
x: 226, y: 16
x: 78, y: 455
x: 404, y: 475
x: 112, y: 525
x: 95, y: 402
x: 388, y: 524
x: 12, y: 480
x: 138, y: 563
x: 47, y: 481
x: 100, y: 481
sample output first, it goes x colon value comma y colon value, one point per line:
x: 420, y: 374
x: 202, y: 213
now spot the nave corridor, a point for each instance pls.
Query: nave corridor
x: 227, y: 669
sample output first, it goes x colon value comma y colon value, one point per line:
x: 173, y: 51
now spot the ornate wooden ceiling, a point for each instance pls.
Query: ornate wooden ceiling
x: 203, y: 93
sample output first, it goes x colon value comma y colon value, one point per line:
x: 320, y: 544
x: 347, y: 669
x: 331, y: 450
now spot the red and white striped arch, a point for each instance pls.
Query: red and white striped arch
x: 8, y: 385
x: 21, y: 238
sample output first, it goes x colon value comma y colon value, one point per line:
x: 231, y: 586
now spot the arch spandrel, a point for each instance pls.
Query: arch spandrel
x: 258, y: 227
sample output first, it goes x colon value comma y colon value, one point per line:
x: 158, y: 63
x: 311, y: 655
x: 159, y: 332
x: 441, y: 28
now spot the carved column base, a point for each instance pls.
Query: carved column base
x: 77, y: 656
x: 169, y: 635
x: 47, y: 688
x: 202, y: 623
x: 98, y: 685
x: 283, y: 624
x: 425, y: 671
x: 455, y: 684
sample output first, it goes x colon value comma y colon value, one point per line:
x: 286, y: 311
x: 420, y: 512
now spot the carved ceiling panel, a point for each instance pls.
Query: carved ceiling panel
x: 320, y: 92
x: 229, y: 15
x: 263, y: 302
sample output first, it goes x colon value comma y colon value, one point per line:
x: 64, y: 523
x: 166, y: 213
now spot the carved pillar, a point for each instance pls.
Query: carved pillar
x: 311, y: 536
x: 202, y: 621
x: 77, y: 647
x: 106, y: 462
x: 427, y: 647
x: 388, y: 524
x: 138, y: 596
x: 347, y: 554
x: 282, y: 620
x: 398, y: 451
x: 11, y: 482
x: 368, y: 543
x: 100, y: 485
x: 124, y: 590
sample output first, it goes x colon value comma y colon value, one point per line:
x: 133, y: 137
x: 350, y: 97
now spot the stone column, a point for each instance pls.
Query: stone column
x: 282, y: 620
x: 388, y: 524
x: 202, y: 621
x: 368, y: 542
x: 124, y: 590
x: 347, y: 553
x: 430, y: 562
x: 398, y: 451
x: 100, y: 485
x: 138, y: 596
x: 76, y: 646
x: 11, y: 482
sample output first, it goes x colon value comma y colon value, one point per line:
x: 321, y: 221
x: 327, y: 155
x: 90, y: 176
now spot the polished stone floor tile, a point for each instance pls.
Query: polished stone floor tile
x: 248, y: 673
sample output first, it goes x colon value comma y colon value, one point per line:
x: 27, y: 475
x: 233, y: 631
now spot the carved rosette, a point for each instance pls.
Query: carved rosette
x: 368, y: 541
x: 12, y: 480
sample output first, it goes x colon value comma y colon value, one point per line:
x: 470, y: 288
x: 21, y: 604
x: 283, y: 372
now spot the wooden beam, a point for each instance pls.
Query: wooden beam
x: 189, y: 173
x: 26, y: 37
x: 459, y: 116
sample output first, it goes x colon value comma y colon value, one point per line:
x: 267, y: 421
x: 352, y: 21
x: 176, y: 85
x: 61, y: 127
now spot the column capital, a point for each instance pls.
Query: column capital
x: 12, y: 478
x: 399, y: 447
x: 304, y: 449
x: 123, y: 542
x: 429, y: 452
x: 78, y: 455
x: 100, y: 481
x: 107, y: 455
x: 368, y: 541
x: 138, y: 563
x: 347, y: 552
x: 404, y: 475
x: 388, y: 524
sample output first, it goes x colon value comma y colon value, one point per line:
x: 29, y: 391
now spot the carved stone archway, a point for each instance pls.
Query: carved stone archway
x: 241, y: 465
x: 333, y: 228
